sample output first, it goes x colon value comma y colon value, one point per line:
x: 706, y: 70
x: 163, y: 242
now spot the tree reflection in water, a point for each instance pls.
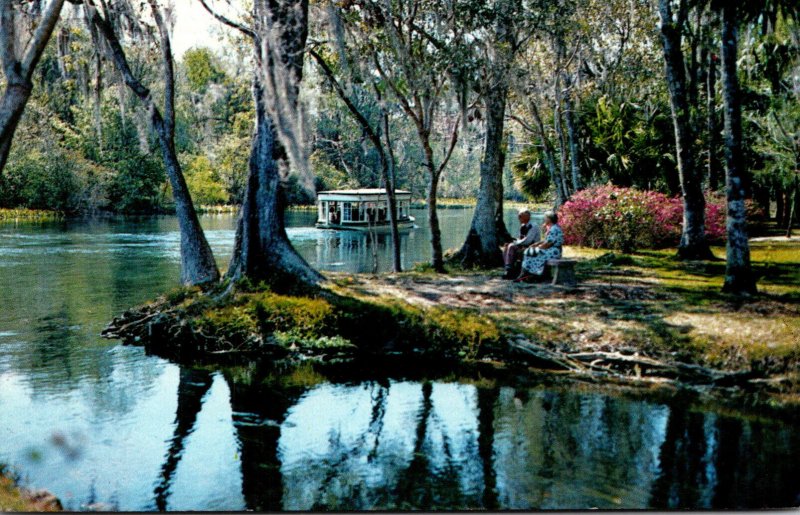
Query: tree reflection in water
x: 192, y: 388
x: 434, y: 445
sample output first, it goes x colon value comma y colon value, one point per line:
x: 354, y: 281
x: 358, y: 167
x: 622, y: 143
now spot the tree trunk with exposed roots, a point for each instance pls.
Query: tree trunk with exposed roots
x: 262, y: 250
x: 693, y: 244
x: 488, y: 232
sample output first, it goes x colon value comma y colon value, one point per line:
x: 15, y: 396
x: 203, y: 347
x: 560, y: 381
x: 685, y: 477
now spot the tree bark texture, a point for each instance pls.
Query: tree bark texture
x: 197, y: 261
x: 558, y: 124
x: 693, y: 243
x: 488, y: 232
x: 574, y: 146
x: 712, y: 126
x: 437, y: 256
x: 738, y: 273
x: 18, y: 70
x: 262, y: 250
x: 549, y: 158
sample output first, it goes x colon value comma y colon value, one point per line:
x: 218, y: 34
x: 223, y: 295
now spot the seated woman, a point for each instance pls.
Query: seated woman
x: 537, y: 255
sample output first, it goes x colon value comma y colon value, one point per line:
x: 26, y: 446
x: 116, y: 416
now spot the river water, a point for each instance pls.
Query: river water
x: 104, y: 426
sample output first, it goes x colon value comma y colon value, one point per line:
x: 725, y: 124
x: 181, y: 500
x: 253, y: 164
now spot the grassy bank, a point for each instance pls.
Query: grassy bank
x: 22, y: 214
x: 14, y: 499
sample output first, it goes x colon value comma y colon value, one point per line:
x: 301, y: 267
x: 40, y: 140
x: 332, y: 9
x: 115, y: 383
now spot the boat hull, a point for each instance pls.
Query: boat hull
x: 365, y: 227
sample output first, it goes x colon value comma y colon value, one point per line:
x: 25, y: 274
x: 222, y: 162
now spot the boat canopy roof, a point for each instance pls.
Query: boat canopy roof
x: 360, y: 195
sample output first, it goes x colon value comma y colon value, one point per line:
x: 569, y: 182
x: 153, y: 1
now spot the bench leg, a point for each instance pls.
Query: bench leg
x: 564, y: 275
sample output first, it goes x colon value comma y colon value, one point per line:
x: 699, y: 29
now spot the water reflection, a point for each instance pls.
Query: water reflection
x: 432, y: 445
x: 106, y: 426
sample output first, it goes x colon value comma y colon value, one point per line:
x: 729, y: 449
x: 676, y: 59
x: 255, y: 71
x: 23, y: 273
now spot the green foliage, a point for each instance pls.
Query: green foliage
x: 138, y: 184
x: 204, y: 184
x: 530, y: 172
x: 630, y: 144
x: 48, y: 176
x: 201, y: 69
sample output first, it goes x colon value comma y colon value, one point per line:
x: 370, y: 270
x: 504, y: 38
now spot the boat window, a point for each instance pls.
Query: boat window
x: 356, y: 212
x: 347, y: 212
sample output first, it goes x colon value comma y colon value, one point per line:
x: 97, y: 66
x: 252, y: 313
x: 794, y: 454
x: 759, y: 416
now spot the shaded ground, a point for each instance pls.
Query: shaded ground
x: 644, y: 304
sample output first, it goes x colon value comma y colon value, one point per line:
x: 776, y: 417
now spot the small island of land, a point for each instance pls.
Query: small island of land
x: 643, y: 318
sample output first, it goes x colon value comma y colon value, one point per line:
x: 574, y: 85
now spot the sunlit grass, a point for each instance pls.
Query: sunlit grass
x: 33, y: 215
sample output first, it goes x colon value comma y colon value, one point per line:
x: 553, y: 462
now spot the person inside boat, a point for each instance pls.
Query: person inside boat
x: 536, y: 256
x: 528, y: 235
x: 334, y: 214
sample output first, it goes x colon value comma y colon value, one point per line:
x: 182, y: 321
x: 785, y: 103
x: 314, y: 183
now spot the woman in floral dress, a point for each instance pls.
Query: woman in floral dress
x: 537, y: 255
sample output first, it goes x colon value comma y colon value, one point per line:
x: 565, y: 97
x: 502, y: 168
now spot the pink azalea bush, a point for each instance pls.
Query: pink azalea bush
x: 627, y: 219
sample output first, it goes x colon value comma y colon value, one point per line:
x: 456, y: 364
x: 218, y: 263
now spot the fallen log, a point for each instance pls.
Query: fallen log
x: 543, y: 357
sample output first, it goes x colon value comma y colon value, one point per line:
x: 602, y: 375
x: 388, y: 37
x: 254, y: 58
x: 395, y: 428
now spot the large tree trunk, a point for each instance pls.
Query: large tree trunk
x: 738, y: 274
x: 488, y: 232
x: 693, y: 243
x: 437, y: 258
x: 15, y: 98
x: 197, y: 261
x: 262, y: 250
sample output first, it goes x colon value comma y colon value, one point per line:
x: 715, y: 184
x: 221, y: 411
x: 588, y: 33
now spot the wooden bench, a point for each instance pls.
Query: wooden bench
x: 563, y: 271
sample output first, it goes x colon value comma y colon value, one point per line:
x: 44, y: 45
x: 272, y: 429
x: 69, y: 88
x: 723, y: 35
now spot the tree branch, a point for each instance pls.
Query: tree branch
x: 397, y: 93
x: 453, y: 141
x: 118, y: 54
x: 525, y: 125
x: 169, y: 71
x: 360, y: 118
x: 40, y: 38
x: 247, y: 31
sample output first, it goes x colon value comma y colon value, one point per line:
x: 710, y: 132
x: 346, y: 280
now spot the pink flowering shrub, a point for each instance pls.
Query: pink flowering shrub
x: 626, y: 218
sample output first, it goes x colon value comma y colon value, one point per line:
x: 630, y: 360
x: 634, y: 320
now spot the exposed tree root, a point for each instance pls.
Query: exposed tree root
x: 628, y: 366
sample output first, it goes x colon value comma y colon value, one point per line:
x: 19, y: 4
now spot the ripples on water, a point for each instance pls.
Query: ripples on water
x: 106, y: 426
